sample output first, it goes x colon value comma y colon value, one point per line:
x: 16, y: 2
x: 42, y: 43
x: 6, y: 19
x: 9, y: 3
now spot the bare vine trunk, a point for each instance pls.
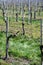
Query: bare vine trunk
x: 22, y: 11
x: 34, y: 14
x: 6, y: 38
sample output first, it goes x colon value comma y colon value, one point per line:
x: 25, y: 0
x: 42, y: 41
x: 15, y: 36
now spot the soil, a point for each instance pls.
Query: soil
x: 18, y: 61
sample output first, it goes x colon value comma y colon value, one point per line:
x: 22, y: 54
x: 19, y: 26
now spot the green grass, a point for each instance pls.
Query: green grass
x: 22, y: 46
x: 2, y: 62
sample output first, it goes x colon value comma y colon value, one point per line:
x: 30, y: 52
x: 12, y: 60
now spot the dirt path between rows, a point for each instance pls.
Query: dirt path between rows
x: 17, y: 61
